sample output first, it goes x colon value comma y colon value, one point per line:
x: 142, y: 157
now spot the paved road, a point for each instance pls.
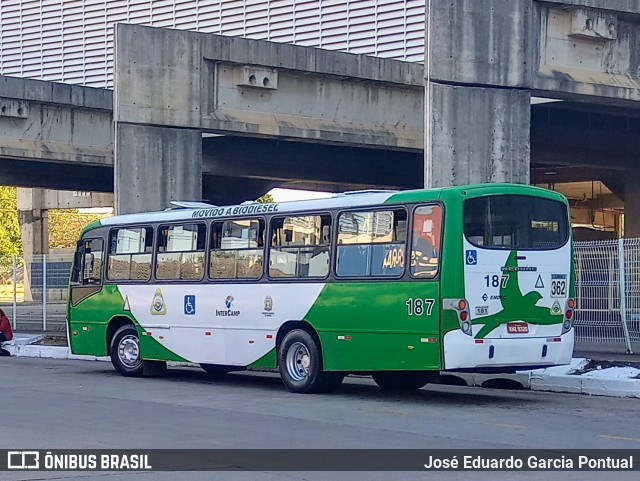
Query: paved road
x: 48, y: 403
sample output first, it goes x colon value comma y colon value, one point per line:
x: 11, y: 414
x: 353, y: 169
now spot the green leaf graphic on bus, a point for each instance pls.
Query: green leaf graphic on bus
x: 515, y: 306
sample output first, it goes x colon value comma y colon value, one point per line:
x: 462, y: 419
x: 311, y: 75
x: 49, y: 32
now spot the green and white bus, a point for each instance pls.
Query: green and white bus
x: 398, y: 285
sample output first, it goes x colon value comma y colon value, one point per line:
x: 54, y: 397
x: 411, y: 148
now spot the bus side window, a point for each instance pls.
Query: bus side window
x: 181, y: 251
x: 371, y: 243
x: 425, y: 241
x: 299, y: 246
x: 130, y: 251
x: 237, y: 249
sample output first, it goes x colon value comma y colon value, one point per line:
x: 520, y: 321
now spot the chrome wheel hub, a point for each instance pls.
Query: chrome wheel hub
x: 298, y: 361
x: 129, y: 351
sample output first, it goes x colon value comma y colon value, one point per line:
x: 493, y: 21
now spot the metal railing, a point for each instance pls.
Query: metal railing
x: 33, y: 291
x: 608, y: 293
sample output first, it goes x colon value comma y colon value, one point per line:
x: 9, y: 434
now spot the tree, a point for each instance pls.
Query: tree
x: 65, y: 226
x: 266, y: 199
x: 10, y: 237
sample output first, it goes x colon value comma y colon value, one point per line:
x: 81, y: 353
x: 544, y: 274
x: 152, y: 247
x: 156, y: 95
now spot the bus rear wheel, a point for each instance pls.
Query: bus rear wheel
x: 401, y: 380
x: 300, y: 365
x: 125, y: 351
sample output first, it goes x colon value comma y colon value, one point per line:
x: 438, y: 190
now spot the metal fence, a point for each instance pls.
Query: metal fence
x: 608, y: 293
x: 33, y: 292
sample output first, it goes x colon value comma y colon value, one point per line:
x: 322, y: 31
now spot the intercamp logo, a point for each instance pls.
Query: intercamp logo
x: 23, y: 460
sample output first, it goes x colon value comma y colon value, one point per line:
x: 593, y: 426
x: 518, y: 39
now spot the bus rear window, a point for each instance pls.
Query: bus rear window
x: 515, y: 222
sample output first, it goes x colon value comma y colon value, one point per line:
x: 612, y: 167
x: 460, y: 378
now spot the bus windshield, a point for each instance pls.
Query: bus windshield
x: 515, y: 222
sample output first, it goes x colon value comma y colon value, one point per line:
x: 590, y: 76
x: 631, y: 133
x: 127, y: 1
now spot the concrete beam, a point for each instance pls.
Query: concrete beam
x: 624, y: 6
x: 251, y: 87
x: 60, y: 199
x: 51, y: 121
x: 585, y: 52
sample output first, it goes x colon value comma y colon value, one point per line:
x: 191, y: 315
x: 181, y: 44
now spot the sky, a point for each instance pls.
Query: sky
x: 285, y: 195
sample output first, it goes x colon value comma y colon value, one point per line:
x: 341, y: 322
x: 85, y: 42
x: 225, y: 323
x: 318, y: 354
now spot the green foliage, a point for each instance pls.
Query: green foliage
x: 10, y: 238
x: 65, y: 226
x: 266, y: 199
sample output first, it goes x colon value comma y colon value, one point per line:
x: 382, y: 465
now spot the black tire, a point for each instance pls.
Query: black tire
x: 401, y: 380
x: 216, y: 370
x: 125, y: 351
x: 300, y: 365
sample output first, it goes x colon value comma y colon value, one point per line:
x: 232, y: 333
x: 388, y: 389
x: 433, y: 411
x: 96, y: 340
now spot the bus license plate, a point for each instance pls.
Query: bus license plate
x: 517, y: 328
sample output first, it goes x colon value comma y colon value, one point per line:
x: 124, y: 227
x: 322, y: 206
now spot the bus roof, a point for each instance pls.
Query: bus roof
x: 353, y: 199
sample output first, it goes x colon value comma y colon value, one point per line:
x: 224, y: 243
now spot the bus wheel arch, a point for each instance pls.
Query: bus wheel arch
x: 290, y: 326
x: 298, y: 344
x: 123, y: 346
x: 114, y: 324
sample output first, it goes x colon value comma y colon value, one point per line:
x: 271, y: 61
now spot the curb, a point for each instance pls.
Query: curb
x: 49, y: 352
x: 533, y: 380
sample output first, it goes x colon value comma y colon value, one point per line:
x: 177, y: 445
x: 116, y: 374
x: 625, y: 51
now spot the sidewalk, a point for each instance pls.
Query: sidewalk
x: 594, y: 371
x: 606, y: 352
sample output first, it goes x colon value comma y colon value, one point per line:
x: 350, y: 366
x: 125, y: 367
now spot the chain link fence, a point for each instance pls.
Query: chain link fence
x: 33, y: 292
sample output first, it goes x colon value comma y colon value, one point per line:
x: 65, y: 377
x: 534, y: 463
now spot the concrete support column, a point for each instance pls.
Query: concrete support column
x: 154, y: 165
x: 477, y: 134
x: 34, y: 222
x: 632, y: 203
x: 478, y: 75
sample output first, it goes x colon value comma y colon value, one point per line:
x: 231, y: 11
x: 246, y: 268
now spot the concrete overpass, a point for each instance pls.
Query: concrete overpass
x: 203, y: 116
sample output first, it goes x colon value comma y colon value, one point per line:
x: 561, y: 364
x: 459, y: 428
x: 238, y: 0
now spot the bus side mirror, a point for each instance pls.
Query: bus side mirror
x: 77, y: 260
x: 77, y: 267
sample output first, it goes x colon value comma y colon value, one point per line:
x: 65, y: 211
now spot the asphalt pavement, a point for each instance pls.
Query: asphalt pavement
x: 56, y: 404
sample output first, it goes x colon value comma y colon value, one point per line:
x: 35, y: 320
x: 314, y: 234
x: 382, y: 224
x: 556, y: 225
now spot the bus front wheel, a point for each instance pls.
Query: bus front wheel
x: 300, y: 365
x: 125, y: 351
x: 401, y: 380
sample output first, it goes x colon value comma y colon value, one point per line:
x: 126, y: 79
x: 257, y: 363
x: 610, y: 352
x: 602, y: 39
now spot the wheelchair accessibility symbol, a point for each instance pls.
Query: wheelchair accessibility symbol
x: 471, y: 257
x: 189, y: 305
